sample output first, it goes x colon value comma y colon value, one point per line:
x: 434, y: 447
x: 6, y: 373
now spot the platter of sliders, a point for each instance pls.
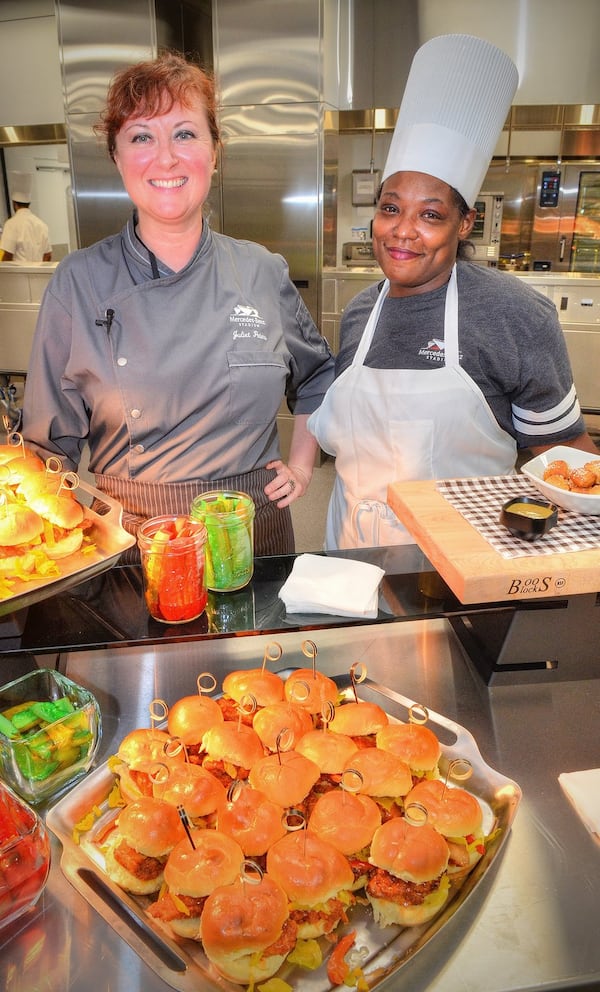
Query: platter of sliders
x: 285, y: 831
x: 50, y: 536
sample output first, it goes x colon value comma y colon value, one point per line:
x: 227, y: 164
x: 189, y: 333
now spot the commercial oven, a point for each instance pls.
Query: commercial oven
x: 551, y: 214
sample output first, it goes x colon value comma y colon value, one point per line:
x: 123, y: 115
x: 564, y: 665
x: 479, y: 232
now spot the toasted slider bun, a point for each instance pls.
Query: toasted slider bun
x: 240, y: 922
x: 346, y: 820
x: 358, y: 719
x: 266, y: 687
x: 411, y: 856
x: 457, y: 815
x: 281, y: 718
x: 311, y: 690
x: 191, y: 716
x: 192, y: 787
x: 29, y: 466
x: 148, y: 743
x: 64, y: 546
x: 285, y: 778
x: 142, y: 756
x: 8, y: 452
x: 382, y: 774
x: 415, y: 744
x: 61, y: 510
x: 315, y: 876
x: 233, y: 743
x: 147, y: 831
x: 19, y: 525
x: 215, y: 859
x: 329, y: 751
x: 253, y: 820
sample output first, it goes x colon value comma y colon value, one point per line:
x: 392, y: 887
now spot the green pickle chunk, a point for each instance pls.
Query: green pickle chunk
x: 47, y: 735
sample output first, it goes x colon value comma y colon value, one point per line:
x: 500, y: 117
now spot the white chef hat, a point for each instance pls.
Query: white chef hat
x: 21, y: 184
x: 457, y: 97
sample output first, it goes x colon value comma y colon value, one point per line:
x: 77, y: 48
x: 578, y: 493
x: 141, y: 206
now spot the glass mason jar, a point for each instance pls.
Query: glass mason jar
x: 24, y: 856
x: 229, y: 520
x: 173, y: 567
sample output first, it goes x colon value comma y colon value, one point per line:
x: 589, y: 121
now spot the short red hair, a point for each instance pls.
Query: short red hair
x: 150, y: 88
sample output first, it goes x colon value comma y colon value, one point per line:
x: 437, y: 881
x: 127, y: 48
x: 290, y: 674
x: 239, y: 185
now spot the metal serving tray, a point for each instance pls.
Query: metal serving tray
x: 110, y: 540
x: 182, y: 964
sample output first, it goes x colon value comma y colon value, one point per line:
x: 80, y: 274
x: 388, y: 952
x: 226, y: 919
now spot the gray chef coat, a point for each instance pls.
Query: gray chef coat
x: 174, y: 378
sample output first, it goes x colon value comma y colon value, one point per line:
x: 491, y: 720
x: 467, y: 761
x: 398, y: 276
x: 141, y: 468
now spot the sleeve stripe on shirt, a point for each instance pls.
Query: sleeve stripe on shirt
x: 559, y: 418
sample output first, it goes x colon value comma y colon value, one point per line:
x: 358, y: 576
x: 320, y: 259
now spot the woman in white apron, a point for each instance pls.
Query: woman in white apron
x: 386, y: 424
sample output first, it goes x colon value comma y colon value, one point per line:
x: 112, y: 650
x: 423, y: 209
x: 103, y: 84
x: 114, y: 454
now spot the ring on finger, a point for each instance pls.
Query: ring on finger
x: 292, y: 483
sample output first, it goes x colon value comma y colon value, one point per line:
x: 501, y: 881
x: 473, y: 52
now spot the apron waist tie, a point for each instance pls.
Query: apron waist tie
x: 375, y: 511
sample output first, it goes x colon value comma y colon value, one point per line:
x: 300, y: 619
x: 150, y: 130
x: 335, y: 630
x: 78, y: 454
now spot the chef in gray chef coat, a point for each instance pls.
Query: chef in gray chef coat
x: 170, y: 356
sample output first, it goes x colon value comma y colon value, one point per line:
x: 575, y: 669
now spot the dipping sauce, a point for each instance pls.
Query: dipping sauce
x: 532, y: 510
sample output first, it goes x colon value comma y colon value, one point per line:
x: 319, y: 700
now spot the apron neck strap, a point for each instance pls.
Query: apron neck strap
x: 451, y: 350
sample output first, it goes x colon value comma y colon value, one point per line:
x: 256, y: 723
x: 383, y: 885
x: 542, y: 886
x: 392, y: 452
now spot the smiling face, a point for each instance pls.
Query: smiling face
x: 416, y: 231
x: 166, y: 164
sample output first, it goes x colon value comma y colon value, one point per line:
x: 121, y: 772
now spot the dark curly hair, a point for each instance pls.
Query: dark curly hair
x: 151, y: 88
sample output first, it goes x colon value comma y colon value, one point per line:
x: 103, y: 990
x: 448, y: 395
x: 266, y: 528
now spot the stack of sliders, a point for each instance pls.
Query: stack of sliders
x: 317, y: 805
x: 40, y: 520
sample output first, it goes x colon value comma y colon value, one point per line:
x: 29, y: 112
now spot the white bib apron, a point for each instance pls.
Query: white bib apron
x: 399, y: 425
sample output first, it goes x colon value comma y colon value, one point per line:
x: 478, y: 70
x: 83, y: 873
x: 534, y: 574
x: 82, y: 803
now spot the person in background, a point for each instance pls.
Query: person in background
x: 446, y: 368
x: 169, y: 348
x: 24, y: 236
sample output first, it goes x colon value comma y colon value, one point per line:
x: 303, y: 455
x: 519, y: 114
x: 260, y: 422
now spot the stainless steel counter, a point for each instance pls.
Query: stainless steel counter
x: 532, y: 921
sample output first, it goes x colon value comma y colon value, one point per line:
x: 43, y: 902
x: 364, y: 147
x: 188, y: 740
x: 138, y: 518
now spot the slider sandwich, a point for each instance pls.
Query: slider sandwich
x: 21, y: 531
x: 194, y: 788
x: 348, y: 821
x: 189, y: 718
x: 247, y: 932
x: 252, y: 819
x: 416, y: 744
x: 329, y: 752
x: 316, y: 878
x: 310, y: 689
x: 286, y: 778
x: 231, y: 750
x: 283, y: 718
x: 408, y: 883
x: 146, y: 832
x: 262, y: 685
x: 383, y: 776
x: 140, y: 759
x: 458, y: 816
x: 196, y: 866
x: 359, y: 720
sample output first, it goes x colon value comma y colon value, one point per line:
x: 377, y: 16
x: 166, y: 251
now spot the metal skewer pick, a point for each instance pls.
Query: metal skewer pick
x: 186, y: 825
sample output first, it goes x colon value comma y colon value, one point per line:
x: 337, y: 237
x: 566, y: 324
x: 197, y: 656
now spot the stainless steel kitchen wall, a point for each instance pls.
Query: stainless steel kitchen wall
x: 278, y: 171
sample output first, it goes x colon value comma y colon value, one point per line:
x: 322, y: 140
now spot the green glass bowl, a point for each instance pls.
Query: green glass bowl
x: 50, y: 731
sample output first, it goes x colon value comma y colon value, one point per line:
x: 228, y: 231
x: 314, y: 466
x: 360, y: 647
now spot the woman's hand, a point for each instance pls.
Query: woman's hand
x: 289, y: 484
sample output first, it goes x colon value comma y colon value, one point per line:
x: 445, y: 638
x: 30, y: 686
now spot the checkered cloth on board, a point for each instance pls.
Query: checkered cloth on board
x: 480, y: 501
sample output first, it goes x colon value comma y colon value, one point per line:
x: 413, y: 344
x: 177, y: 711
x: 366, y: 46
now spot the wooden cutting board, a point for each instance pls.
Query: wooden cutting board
x: 475, y: 572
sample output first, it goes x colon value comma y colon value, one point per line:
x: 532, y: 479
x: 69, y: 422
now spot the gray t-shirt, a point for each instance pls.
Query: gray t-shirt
x: 510, y: 343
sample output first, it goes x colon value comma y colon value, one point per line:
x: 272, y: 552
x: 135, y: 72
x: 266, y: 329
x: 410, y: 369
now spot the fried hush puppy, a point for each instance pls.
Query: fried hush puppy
x: 582, y: 480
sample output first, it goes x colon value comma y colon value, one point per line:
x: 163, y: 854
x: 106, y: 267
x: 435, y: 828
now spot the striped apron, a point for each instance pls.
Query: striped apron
x: 273, y: 531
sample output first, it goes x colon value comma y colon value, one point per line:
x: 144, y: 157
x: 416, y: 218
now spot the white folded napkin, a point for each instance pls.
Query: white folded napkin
x: 340, y: 586
x: 583, y: 789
